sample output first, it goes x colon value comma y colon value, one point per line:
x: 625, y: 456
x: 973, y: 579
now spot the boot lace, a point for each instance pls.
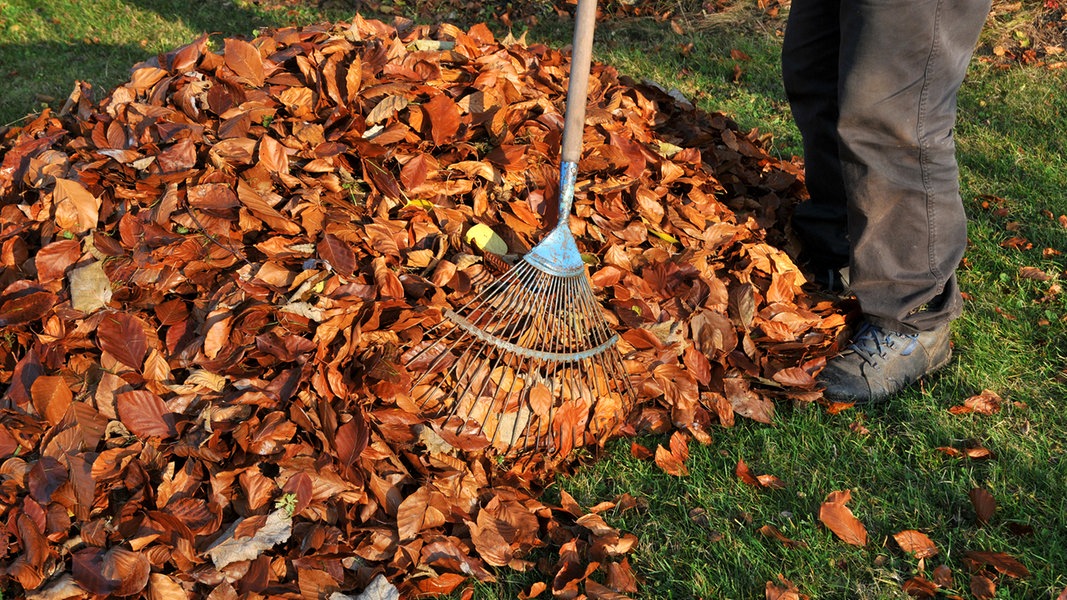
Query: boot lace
x: 872, y: 343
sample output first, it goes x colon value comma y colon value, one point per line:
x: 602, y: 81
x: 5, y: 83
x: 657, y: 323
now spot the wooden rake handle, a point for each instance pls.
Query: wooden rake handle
x: 578, y: 87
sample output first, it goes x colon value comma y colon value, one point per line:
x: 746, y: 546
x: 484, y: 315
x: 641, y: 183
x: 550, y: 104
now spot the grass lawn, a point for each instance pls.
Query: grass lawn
x: 700, y: 536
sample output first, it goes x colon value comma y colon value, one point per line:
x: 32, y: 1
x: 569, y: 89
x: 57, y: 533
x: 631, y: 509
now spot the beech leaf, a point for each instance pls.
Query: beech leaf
x: 244, y: 59
x: 984, y: 504
x: 229, y: 549
x: 145, y: 414
x: 122, y: 335
x: 90, y: 288
x: 839, y: 519
x: 916, y: 543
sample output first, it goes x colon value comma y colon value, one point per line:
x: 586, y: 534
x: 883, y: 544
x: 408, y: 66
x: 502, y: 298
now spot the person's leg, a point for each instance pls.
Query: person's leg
x: 810, y: 56
x: 902, y: 64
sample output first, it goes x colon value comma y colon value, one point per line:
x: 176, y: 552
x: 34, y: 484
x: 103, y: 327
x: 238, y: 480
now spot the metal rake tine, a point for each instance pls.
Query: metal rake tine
x: 564, y: 340
x: 617, y: 370
x: 538, y: 365
x: 503, y: 403
x: 466, y: 337
x: 547, y: 334
x: 486, y: 344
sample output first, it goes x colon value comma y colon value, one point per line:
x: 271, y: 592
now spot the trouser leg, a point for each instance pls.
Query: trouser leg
x: 810, y: 56
x: 902, y: 63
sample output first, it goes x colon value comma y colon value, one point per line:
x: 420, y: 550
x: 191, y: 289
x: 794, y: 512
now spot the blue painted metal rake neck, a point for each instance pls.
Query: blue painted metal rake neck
x: 558, y: 253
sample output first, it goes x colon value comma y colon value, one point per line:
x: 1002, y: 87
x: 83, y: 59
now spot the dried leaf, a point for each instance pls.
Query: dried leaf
x: 774, y: 533
x: 670, y: 463
x: 244, y: 59
x: 145, y: 414
x: 51, y: 397
x: 916, y: 543
x: 229, y: 549
x: 444, y: 118
x: 982, y: 587
x: 1000, y: 561
x: 77, y: 210
x: 984, y: 504
x: 122, y: 335
x: 839, y: 519
x: 90, y: 288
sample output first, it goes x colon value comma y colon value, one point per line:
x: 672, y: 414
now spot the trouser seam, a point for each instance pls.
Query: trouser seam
x: 924, y: 142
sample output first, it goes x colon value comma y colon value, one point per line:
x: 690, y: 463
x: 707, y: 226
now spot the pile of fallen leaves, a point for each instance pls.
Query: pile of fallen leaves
x: 208, y: 277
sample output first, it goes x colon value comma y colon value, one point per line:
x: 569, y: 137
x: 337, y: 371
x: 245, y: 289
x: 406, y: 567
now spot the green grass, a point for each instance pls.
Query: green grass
x: 1012, y: 338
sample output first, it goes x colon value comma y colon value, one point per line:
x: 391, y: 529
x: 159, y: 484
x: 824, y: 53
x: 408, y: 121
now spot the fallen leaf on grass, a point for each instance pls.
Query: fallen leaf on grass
x: 943, y: 576
x: 920, y: 587
x: 1004, y: 563
x: 916, y: 543
x: 984, y: 504
x: 787, y: 590
x: 774, y: 533
x: 839, y: 519
x: 982, y: 587
x: 673, y: 461
x: 760, y: 481
x: 986, y: 403
x: 1034, y: 274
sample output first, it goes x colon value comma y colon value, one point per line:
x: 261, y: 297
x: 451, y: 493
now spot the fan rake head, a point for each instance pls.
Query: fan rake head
x: 528, y: 362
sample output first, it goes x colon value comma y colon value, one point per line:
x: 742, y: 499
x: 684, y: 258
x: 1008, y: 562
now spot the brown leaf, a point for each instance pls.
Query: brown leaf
x: 444, y: 118
x: 1000, y: 561
x: 982, y: 587
x: 411, y: 514
x: 597, y: 591
x: 244, y: 59
x: 1034, y: 273
x: 795, y: 377
x: 748, y: 403
x: 839, y: 518
x: 536, y: 589
x: 986, y: 403
x: 786, y: 591
x: 387, y: 107
x: 639, y: 451
x: 943, y: 576
x: 984, y: 504
x: 51, y: 397
x: 771, y: 482
x: 122, y: 335
x: 670, y: 463
x: 744, y: 474
x: 979, y: 453
x: 129, y: 569
x: 24, y: 304
x: 52, y: 260
x: 916, y: 543
x: 337, y: 254
x: 920, y: 587
x: 774, y: 533
x: 77, y: 210
x: 45, y: 478
x: 144, y: 414
x: 621, y: 577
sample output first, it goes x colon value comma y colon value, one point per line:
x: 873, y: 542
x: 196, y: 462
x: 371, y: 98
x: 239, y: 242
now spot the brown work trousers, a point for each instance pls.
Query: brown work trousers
x: 872, y: 85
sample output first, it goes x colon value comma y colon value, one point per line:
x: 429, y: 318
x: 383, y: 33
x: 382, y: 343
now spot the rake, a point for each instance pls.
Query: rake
x: 529, y: 361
